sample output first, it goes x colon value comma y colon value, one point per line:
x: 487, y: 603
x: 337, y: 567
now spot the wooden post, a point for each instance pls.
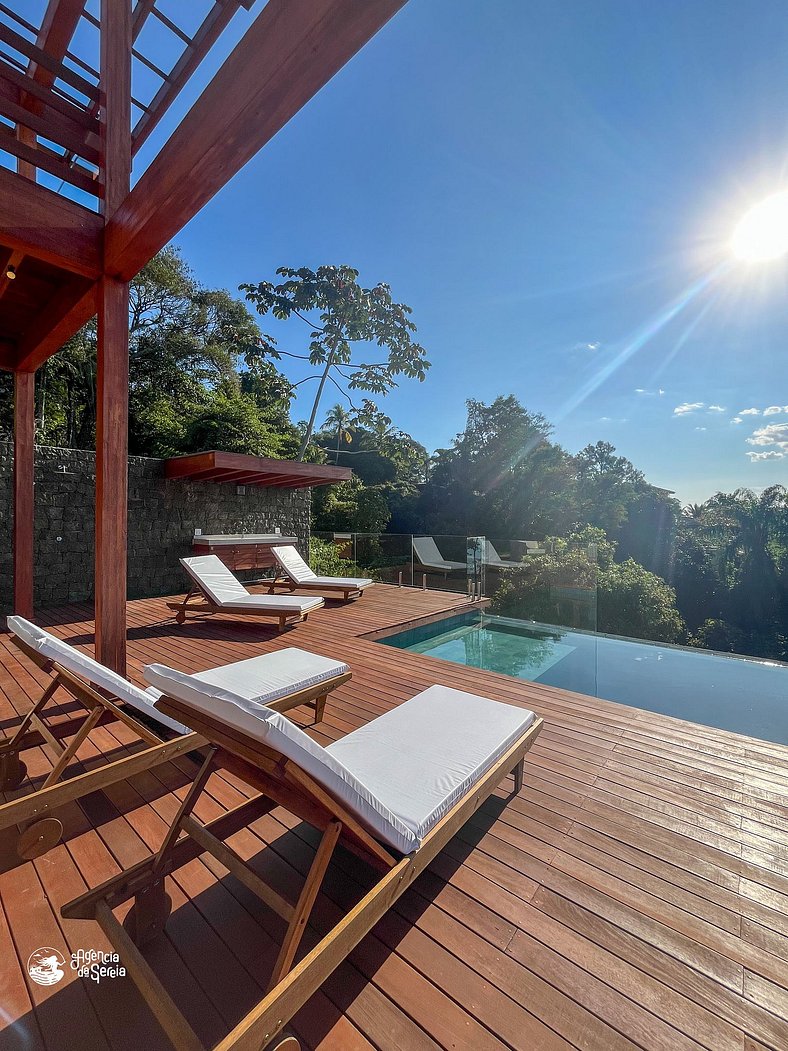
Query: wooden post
x: 112, y: 381
x: 24, y: 499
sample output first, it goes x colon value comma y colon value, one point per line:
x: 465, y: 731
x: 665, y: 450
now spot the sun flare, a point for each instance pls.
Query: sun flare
x: 762, y: 233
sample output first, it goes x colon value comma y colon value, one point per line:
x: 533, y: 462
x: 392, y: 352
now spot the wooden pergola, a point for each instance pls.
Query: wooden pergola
x: 70, y: 251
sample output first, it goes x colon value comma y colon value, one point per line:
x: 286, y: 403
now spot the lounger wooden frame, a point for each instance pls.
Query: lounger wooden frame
x: 39, y: 831
x: 281, y: 782
x: 210, y: 607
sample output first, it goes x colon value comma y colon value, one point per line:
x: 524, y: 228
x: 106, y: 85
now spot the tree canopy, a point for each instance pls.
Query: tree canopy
x: 342, y: 316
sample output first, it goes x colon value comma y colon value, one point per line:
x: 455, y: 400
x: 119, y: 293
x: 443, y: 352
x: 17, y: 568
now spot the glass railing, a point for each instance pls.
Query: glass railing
x: 520, y: 578
x: 689, y: 594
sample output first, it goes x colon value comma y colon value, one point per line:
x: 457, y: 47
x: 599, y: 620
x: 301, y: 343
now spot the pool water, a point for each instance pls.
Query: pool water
x: 732, y: 693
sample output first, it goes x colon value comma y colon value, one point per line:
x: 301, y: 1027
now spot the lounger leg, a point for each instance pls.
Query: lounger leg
x: 152, y: 904
x: 12, y: 769
x: 518, y: 776
x: 320, y: 707
x: 71, y: 749
x: 303, y: 909
x: 180, y: 615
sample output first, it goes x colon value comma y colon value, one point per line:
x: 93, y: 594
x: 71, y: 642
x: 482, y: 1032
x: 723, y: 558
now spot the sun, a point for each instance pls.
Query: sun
x: 762, y: 234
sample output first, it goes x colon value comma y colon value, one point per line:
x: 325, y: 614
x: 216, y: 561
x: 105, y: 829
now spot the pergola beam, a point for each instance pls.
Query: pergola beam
x: 289, y: 52
x: 41, y: 223
x: 72, y: 307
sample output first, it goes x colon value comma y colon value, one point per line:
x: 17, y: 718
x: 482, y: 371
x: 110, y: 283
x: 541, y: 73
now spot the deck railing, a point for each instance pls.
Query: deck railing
x: 517, y: 575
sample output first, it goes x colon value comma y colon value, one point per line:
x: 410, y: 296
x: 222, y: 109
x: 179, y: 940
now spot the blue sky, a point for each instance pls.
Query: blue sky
x: 552, y: 188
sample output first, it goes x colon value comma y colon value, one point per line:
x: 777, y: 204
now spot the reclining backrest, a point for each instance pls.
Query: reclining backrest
x: 278, y: 733
x: 86, y: 668
x: 491, y: 555
x: 214, y: 578
x: 292, y: 563
x: 427, y: 550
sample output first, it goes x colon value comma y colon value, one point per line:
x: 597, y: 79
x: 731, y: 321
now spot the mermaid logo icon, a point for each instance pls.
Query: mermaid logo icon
x: 45, y: 966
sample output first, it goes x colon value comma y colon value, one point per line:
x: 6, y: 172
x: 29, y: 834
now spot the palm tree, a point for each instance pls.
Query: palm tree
x: 751, y: 527
x: 339, y: 418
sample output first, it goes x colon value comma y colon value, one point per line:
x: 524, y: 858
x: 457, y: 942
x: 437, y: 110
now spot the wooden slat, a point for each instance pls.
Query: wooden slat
x: 213, y: 25
x: 34, y: 90
x: 44, y: 59
x: 49, y: 124
x: 49, y: 161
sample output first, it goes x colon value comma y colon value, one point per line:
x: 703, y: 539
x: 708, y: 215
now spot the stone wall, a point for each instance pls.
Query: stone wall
x: 163, y: 515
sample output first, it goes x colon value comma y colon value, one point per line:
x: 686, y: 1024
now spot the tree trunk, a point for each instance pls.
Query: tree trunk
x: 311, y: 425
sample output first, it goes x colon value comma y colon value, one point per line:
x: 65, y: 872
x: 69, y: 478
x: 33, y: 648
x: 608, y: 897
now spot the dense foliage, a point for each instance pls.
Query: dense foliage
x: 203, y: 376
x: 578, y: 583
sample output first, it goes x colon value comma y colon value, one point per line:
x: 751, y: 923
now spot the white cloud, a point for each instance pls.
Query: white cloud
x: 771, y: 434
x: 687, y: 407
x: 716, y: 408
x: 737, y: 419
x: 639, y: 390
x: 773, y: 410
x: 749, y: 412
x: 772, y: 440
x: 642, y: 390
x: 700, y: 428
x: 772, y: 454
x: 582, y: 345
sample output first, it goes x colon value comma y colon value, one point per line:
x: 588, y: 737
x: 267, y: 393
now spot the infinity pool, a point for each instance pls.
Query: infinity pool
x: 732, y: 693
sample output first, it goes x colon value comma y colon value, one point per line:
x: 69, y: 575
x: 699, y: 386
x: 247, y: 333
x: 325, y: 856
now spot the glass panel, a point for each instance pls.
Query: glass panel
x: 552, y: 583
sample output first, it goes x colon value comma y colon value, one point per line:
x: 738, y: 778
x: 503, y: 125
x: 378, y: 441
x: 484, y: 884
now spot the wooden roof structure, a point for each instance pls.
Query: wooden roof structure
x: 240, y: 469
x: 73, y: 229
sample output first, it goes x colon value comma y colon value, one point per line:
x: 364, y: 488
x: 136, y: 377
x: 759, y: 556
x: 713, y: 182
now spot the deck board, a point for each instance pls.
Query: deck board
x: 634, y: 895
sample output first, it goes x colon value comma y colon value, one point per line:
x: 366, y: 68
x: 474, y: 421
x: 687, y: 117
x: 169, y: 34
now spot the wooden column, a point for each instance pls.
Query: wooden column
x: 112, y: 428
x: 24, y: 501
x: 112, y: 380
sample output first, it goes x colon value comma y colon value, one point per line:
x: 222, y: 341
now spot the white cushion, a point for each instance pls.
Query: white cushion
x: 421, y: 757
x: 213, y: 576
x: 227, y: 591
x: 340, y: 582
x: 90, y: 670
x: 264, y: 678
x: 292, y: 563
x: 300, y: 573
x: 276, y: 603
x: 492, y: 558
x: 428, y: 554
x: 398, y: 774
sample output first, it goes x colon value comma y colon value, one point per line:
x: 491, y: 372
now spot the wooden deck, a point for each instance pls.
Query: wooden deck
x: 635, y: 893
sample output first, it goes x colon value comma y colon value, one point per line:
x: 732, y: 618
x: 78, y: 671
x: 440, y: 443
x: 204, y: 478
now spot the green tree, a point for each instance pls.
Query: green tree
x: 341, y: 315
x: 578, y: 583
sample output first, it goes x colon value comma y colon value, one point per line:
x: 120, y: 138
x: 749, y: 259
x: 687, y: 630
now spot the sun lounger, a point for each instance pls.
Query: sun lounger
x: 494, y: 561
x: 426, y: 551
x: 297, y: 574
x: 222, y: 592
x: 393, y: 791
x: 281, y: 680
